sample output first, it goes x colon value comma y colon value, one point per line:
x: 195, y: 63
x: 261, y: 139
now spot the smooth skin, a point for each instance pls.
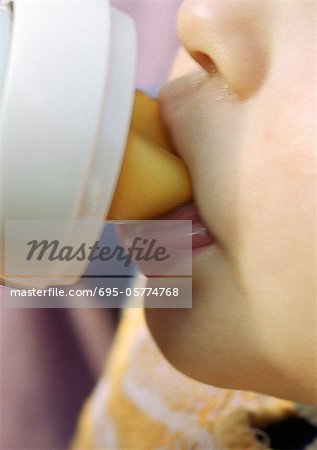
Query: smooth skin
x: 245, y: 124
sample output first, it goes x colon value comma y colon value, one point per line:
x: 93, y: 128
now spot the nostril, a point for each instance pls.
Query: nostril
x: 204, y: 61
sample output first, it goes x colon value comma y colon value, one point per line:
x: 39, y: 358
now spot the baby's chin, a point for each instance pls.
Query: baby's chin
x: 169, y: 329
x: 213, y: 342
x: 217, y: 342
x: 192, y: 352
x: 198, y: 341
x: 174, y: 333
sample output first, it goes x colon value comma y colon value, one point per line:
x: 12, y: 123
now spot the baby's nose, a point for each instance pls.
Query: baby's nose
x: 229, y: 37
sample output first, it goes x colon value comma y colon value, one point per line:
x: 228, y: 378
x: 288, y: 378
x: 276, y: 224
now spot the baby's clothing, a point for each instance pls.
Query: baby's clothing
x: 143, y: 403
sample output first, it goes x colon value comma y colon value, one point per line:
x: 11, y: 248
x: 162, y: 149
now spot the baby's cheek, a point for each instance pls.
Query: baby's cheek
x: 276, y: 196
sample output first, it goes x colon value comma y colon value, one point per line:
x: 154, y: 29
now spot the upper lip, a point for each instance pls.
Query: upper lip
x: 175, y: 95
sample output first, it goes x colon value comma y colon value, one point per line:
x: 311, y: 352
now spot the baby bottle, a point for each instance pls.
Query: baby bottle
x: 76, y: 141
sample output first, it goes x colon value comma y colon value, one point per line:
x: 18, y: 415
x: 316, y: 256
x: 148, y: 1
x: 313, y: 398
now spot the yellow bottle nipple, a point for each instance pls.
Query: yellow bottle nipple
x: 152, y: 180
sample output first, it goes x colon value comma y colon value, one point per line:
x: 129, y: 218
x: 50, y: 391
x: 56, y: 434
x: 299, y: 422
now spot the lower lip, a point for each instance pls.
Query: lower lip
x: 200, y: 234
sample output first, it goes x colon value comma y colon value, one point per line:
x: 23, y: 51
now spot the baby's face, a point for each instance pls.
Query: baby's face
x: 247, y: 130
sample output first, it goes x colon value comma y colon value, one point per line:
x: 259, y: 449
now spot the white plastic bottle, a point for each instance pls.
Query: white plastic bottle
x: 67, y: 82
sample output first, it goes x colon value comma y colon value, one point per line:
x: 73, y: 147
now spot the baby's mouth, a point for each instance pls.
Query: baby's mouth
x: 201, y: 237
